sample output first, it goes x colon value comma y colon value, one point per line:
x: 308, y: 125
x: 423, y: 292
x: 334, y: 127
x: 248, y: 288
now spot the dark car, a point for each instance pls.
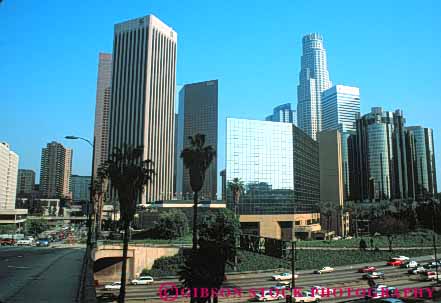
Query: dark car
x: 107, y: 297
x: 42, y: 242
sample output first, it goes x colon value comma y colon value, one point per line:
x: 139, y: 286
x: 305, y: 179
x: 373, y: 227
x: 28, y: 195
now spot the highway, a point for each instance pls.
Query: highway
x: 343, y: 277
x: 34, y: 274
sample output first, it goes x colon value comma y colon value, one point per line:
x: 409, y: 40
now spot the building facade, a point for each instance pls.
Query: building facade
x: 143, y: 97
x: 80, y: 188
x: 332, y: 198
x: 278, y: 164
x: 340, y: 108
x: 8, y: 176
x: 101, y: 129
x: 25, y: 181
x: 423, y: 185
x: 313, y: 80
x: 283, y: 113
x: 198, y: 113
x: 55, y: 171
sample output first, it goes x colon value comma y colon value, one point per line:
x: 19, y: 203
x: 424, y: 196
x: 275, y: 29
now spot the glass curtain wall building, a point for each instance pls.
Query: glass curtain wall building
x: 283, y: 113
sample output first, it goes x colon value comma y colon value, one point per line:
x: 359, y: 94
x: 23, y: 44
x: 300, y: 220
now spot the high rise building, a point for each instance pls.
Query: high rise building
x: 279, y: 166
x: 25, y: 181
x: 198, y: 113
x: 380, y: 164
x: 332, y: 182
x: 314, y: 79
x: 422, y: 160
x: 101, y: 130
x: 283, y: 113
x: 8, y: 176
x: 55, y: 172
x: 80, y: 188
x: 143, y: 97
x: 340, y: 108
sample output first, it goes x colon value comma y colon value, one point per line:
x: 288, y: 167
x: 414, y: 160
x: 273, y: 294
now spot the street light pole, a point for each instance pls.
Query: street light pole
x: 293, y: 269
x: 90, y: 206
x: 434, y: 242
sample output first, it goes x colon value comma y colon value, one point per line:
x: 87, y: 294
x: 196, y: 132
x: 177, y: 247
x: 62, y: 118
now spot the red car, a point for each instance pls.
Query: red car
x: 395, y: 262
x: 367, y: 269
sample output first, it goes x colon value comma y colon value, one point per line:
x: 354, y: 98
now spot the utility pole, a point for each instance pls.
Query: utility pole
x: 434, y: 242
x: 293, y: 269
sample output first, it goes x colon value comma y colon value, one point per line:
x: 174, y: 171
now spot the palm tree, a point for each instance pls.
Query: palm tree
x: 99, y: 190
x: 197, y: 158
x: 128, y: 174
x: 236, y: 187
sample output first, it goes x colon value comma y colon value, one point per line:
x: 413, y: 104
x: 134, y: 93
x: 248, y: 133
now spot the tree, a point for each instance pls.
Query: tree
x: 206, y: 269
x: 363, y: 245
x: 197, y: 158
x: 171, y: 224
x: 128, y: 174
x: 389, y: 226
x: 99, y: 190
x: 236, y: 187
x: 7, y: 228
x: 35, y: 227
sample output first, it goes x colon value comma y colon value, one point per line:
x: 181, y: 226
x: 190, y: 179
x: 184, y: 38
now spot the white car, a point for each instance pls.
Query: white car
x: 25, y: 242
x: 321, y: 290
x: 143, y: 280
x: 268, y: 296
x: 284, y: 276
x: 412, y: 264
x: 325, y: 269
x: 307, y: 297
x: 114, y: 285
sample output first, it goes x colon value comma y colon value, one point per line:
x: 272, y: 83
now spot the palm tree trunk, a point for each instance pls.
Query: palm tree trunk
x: 195, y: 217
x: 122, y: 291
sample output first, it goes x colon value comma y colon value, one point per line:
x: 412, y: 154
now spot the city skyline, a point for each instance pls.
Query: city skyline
x: 374, y: 94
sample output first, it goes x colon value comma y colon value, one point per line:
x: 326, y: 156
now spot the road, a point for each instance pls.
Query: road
x: 34, y: 274
x: 344, y: 277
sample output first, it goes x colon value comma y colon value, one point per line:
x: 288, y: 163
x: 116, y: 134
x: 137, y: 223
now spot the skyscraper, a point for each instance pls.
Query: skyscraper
x: 198, y: 113
x: 101, y: 132
x: 340, y: 108
x: 422, y: 160
x: 25, y: 181
x: 56, y: 167
x: 314, y: 79
x: 143, y: 97
x: 283, y: 113
x: 79, y: 187
x: 8, y: 177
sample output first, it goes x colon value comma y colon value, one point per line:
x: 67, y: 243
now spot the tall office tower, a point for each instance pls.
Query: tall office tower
x: 101, y: 131
x: 279, y: 166
x: 143, y: 97
x: 423, y: 178
x: 8, y: 177
x: 25, y: 181
x: 314, y: 79
x: 381, y: 158
x: 79, y: 186
x: 55, y: 172
x: 283, y: 113
x: 198, y: 112
x: 340, y: 108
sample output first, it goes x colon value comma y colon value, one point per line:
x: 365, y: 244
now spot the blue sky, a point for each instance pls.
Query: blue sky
x: 49, y: 53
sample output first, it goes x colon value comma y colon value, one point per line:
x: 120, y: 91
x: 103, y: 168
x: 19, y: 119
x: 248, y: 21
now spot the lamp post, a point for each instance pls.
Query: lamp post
x: 90, y: 211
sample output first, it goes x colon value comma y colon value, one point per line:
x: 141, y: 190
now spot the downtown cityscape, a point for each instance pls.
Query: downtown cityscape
x: 178, y: 192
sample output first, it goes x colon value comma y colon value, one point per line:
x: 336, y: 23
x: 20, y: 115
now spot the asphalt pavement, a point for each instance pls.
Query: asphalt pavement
x: 34, y: 274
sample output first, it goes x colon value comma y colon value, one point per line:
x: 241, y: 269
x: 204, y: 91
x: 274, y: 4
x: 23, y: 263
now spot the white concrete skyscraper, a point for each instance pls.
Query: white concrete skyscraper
x: 8, y: 176
x: 143, y: 97
x: 101, y: 132
x: 314, y: 79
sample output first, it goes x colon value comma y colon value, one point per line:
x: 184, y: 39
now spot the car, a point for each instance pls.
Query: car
x: 307, y: 297
x: 428, y: 276
x: 321, y: 290
x: 325, y: 269
x: 389, y: 300
x: 114, y: 285
x: 268, y: 296
x: 24, y: 242
x: 279, y: 287
x: 42, y: 242
x: 336, y: 238
x: 416, y: 271
x: 143, y: 280
x: 284, y: 276
x: 403, y: 258
x: 367, y: 269
x: 7, y: 242
x: 395, y: 262
x: 410, y: 264
x: 107, y: 297
x: 374, y: 275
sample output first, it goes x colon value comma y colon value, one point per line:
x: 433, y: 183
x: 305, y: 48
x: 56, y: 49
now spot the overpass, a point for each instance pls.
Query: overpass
x: 108, y: 259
